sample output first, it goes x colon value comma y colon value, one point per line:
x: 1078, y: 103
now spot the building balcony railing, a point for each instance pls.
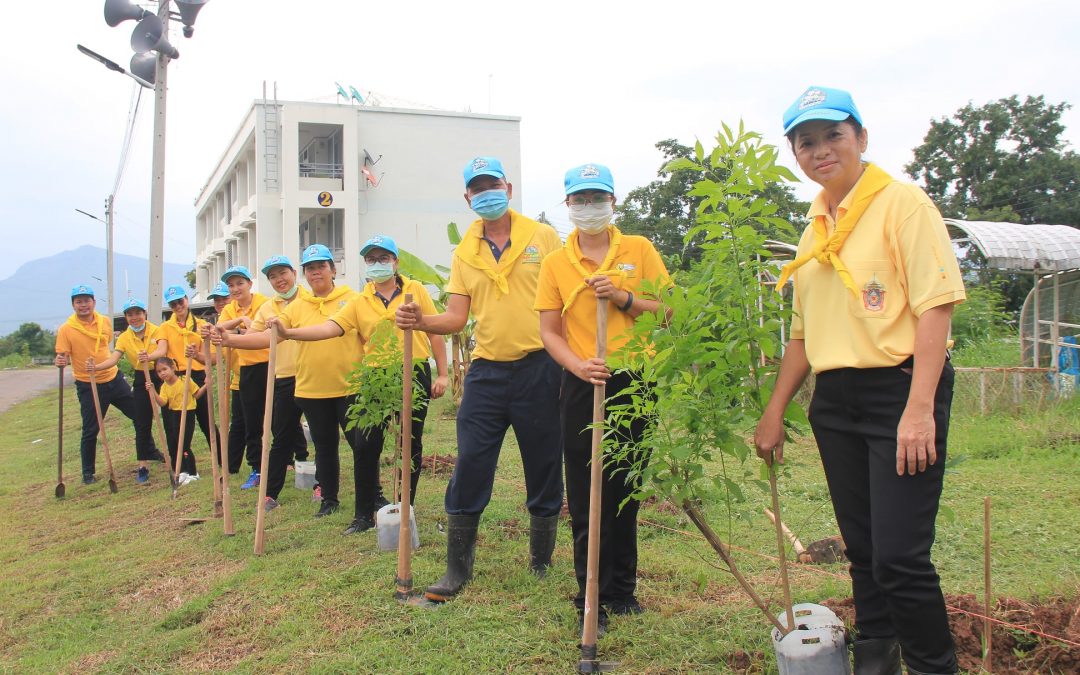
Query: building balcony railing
x: 321, y: 170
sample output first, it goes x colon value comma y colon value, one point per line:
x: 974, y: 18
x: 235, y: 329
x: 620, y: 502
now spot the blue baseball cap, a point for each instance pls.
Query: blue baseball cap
x: 483, y: 166
x: 820, y: 103
x: 315, y: 253
x: 236, y: 271
x: 276, y: 261
x: 133, y: 303
x: 174, y: 292
x: 380, y: 241
x: 589, y: 177
x: 220, y: 290
x: 82, y: 289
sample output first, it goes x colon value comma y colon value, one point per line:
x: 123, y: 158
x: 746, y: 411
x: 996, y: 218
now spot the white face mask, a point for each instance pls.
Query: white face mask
x: 592, y: 218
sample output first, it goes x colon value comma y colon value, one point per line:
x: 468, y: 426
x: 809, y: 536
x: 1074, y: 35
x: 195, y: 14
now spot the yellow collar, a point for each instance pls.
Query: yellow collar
x: 102, y: 328
x: 472, y: 244
x: 573, y: 253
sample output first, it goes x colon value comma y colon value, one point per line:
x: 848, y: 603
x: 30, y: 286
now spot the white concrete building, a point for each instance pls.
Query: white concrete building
x: 301, y: 173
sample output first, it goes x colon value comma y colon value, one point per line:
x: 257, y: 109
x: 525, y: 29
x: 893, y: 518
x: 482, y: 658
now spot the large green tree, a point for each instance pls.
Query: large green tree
x: 29, y: 338
x: 1003, y: 161
x: 665, y: 209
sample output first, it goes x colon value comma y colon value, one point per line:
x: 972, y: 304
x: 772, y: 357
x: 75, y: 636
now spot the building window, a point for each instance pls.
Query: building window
x: 321, y: 151
x: 230, y: 252
x: 323, y: 226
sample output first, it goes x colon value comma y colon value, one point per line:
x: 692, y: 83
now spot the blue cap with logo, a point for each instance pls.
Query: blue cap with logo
x: 315, y: 253
x: 821, y: 103
x: 133, y: 303
x: 82, y: 289
x: 174, y: 293
x: 483, y: 166
x: 380, y: 241
x: 220, y: 290
x: 589, y: 177
x: 276, y: 261
x: 236, y: 271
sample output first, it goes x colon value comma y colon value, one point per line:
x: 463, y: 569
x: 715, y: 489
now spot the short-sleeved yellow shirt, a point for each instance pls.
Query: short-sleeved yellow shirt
x: 364, y: 314
x: 323, y: 367
x: 902, y: 262
x: 131, y: 343
x: 181, y: 336
x: 507, y: 326
x: 635, y: 259
x: 285, y: 363
x: 174, y: 393
x: 84, y: 341
x: 246, y: 357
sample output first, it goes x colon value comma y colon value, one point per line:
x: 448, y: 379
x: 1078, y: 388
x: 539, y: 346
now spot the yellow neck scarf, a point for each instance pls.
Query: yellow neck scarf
x: 183, y: 328
x: 102, y: 329
x: 826, y: 247
x: 386, y: 313
x: 468, y: 251
x: 321, y: 303
x: 574, y: 255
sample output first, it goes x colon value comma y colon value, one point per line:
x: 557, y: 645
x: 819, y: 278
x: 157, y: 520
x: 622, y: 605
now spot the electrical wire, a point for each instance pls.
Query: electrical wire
x: 129, y: 134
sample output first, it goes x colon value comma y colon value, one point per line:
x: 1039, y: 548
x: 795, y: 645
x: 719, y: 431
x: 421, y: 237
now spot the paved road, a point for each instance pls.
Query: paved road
x: 19, y: 385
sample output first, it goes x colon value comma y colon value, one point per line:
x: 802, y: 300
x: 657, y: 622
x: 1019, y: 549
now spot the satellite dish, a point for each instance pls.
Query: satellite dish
x: 144, y: 67
x: 188, y: 10
x: 119, y: 11
x: 149, y: 35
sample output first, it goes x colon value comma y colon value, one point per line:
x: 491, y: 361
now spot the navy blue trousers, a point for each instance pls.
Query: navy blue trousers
x: 115, y: 392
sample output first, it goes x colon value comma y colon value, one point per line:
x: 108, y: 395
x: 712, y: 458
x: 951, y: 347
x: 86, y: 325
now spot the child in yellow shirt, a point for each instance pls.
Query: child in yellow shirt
x: 171, y: 400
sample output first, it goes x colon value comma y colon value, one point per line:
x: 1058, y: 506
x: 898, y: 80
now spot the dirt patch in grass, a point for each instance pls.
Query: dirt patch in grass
x: 745, y: 662
x: 166, y: 591
x: 439, y: 461
x: 1014, y: 651
x: 90, y: 662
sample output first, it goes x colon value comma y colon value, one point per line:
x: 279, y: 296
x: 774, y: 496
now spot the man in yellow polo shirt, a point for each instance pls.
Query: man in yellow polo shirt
x: 83, y: 338
x: 512, y: 381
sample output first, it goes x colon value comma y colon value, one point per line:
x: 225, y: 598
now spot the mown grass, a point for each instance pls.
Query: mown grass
x: 115, y: 583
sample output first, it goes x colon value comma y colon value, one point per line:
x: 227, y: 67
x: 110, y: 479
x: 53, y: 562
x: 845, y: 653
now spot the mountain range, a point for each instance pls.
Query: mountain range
x: 40, y: 290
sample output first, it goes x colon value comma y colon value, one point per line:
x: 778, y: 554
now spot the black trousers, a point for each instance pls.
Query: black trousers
x: 172, y: 435
x: 289, y: 441
x: 202, y: 414
x: 366, y: 454
x: 522, y: 394
x: 115, y: 392
x: 145, y: 448
x: 617, y: 570
x: 887, y: 520
x: 325, y: 416
x: 237, y: 431
x: 253, y: 399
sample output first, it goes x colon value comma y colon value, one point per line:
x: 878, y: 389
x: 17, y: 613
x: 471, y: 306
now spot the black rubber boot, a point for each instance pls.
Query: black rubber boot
x: 912, y: 671
x: 877, y: 656
x: 460, y: 552
x: 542, y: 532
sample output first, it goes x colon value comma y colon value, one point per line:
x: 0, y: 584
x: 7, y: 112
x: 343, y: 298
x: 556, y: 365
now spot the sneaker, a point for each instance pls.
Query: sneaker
x: 251, y: 482
x: 327, y: 509
x: 316, y: 494
x: 143, y: 475
x: 360, y: 524
x: 89, y: 479
x: 625, y: 607
x: 270, y: 504
x: 183, y: 479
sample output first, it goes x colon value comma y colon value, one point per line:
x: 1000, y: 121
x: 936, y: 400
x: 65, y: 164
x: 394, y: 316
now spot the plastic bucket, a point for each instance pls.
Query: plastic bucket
x: 388, y: 527
x: 305, y: 475
x: 815, y: 647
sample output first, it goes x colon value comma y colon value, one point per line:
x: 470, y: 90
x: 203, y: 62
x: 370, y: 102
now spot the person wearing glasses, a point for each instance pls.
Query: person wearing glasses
x: 512, y: 381
x: 876, y: 280
x: 370, y: 316
x: 598, y: 263
x: 183, y: 334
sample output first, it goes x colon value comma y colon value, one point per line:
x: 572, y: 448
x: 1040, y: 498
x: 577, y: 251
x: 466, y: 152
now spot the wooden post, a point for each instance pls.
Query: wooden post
x: 403, y: 580
x: 596, y: 466
x: 987, y: 626
x: 264, y: 462
x: 183, y: 420
x: 223, y: 373
x: 214, y: 456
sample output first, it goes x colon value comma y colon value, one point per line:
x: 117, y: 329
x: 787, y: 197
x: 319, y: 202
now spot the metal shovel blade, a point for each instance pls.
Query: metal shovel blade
x: 60, y: 490
x: 112, y: 486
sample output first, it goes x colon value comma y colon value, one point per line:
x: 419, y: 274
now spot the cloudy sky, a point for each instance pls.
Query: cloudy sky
x: 599, y: 81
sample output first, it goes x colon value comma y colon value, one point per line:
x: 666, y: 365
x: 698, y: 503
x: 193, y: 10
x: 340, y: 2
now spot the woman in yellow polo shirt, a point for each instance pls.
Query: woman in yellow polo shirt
x: 598, y: 262
x: 183, y: 333
x: 875, y: 284
x: 142, y: 345
x: 322, y: 369
x: 374, y: 309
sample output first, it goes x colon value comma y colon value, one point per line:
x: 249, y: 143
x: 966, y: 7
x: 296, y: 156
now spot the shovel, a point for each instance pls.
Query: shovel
x: 182, y: 434
x: 101, y: 430
x: 403, y: 580
x: 264, y: 462
x: 223, y: 433
x: 60, y: 438
x: 827, y: 550
x: 213, y: 429
x: 160, y: 425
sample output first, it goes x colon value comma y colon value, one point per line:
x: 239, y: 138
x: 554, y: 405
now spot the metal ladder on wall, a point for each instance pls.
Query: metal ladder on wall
x: 271, y: 141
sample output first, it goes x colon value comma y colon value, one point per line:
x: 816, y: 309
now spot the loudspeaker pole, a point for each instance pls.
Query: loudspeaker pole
x: 109, y: 253
x: 156, y: 258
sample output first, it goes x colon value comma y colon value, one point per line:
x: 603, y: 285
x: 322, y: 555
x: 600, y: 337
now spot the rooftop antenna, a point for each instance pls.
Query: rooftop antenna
x: 356, y: 95
x: 342, y: 93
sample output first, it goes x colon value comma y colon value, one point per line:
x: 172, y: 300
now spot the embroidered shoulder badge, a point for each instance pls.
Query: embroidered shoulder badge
x: 531, y: 254
x: 873, y: 295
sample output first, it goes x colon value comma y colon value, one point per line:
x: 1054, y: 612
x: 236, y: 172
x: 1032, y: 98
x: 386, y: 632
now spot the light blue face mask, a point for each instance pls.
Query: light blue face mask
x: 380, y: 272
x: 490, y: 204
x: 288, y: 295
x: 139, y: 329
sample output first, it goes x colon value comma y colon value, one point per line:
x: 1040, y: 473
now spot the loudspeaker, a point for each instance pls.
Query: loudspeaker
x: 149, y: 35
x: 188, y: 10
x: 119, y: 11
x: 144, y: 67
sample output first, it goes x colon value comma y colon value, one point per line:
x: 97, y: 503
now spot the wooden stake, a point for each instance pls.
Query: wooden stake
x: 596, y: 468
x: 159, y: 424
x: 264, y: 462
x: 403, y: 581
x: 223, y: 434
x: 987, y: 626
x: 60, y: 437
x: 781, y: 548
x: 101, y: 430
x: 213, y: 430
x: 182, y: 434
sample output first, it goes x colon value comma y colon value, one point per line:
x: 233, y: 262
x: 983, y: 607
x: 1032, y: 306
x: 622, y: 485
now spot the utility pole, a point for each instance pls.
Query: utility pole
x: 109, y: 252
x: 156, y: 259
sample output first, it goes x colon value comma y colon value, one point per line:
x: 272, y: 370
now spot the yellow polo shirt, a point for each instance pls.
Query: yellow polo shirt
x: 630, y: 261
x: 131, y: 343
x: 507, y: 327
x: 903, y: 264
x: 287, y: 350
x: 179, y: 337
x: 323, y: 367
x: 84, y: 341
x: 366, y: 312
x: 247, y: 357
x: 174, y: 393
